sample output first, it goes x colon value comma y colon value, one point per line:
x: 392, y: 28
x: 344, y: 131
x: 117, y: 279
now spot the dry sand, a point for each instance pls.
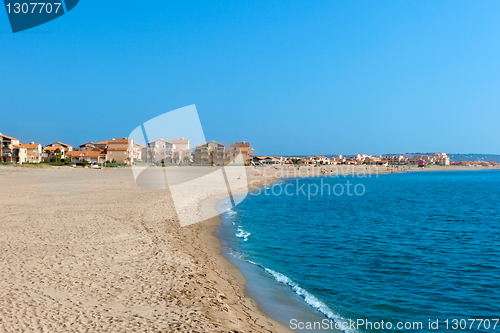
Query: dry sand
x: 89, y: 251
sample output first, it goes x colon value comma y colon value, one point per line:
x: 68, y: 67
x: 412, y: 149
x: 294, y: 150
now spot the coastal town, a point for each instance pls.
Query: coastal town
x: 124, y: 151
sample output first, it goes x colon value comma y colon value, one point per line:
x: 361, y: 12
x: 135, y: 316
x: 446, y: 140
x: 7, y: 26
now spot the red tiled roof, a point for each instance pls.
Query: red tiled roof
x: 242, y: 144
x: 30, y: 146
x: 53, y: 148
x: 60, y: 143
x: 118, y: 141
x: 8, y: 137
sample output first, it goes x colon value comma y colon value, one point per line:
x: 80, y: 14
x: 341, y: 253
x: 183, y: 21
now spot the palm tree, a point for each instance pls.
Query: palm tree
x: 58, y: 154
x: 47, y: 151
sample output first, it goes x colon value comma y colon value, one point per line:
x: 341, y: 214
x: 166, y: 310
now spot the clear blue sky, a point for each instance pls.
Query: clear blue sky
x: 291, y: 77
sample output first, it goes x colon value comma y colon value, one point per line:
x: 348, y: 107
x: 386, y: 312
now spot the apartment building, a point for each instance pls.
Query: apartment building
x: 437, y: 158
x: 89, y: 146
x: 120, y: 150
x: 160, y: 151
x: 339, y: 159
x: 395, y: 159
x: 33, y: 152
x: 171, y: 152
x: 240, y: 153
x: 101, y: 145
x: 54, y: 150
x: 12, y: 151
x: 52, y: 154
x: 442, y: 158
x: 269, y: 160
x: 139, y: 153
x: 317, y: 160
x: 211, y: 153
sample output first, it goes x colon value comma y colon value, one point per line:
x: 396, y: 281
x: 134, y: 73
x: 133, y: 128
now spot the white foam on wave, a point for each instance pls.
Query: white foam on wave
x: 238, y: 255
x: 241, y: 233
x: 310, y: 299
x: 231, y: 215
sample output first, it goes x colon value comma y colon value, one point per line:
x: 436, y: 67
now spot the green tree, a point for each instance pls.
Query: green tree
x: 58, y: 154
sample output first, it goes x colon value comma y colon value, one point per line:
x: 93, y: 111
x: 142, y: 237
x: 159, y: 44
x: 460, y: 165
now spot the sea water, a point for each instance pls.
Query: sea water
x: 417, y: 250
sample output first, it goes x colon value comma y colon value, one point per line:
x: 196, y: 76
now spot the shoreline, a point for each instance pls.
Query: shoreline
x: 214, y: 245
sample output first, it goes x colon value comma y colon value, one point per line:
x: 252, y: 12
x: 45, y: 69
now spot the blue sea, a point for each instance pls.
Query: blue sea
x: 409, y: 248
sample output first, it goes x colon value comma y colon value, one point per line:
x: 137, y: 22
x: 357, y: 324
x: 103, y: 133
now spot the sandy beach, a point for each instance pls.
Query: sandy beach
x: 90, y: 251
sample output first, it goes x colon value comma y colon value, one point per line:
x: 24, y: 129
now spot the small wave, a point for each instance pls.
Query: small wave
x: 308, y: 298
x: 280, y: 182
x: 228, y: 214
x: 242, y: 234
x: 281, y: 278
x: 236, y: 254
